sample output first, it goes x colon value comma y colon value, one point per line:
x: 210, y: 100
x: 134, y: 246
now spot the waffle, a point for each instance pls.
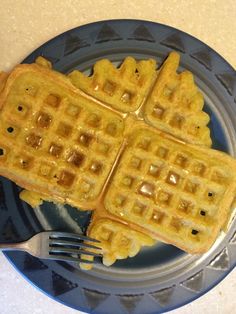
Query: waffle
x: 124, y: 89
x: 175, y: 105
x: 146, y: 178
x: 173, y: 192
x: 173, y: 102
x: 113, y: 235
x: 55, y: 142
x: 177, y: 193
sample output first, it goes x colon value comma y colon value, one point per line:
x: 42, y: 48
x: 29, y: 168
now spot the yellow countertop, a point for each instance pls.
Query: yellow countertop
x: 25, y: 24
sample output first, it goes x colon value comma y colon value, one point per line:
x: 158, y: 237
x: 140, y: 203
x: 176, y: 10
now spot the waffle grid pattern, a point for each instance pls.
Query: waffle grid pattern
x: 168, y: 187
x: 113, y: 235
x: 124, y: 88
x: 175, y: 105
x: 64, y: 140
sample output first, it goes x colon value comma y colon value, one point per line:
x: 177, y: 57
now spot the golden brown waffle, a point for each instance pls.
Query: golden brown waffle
x: 175, y: 105
x: 54, y: 140
x: 179, y: 193
x: 173, y: 102
x: 171, y: 191
x: 93, y: 150
x: 113, y: 235
x: 124, y: 89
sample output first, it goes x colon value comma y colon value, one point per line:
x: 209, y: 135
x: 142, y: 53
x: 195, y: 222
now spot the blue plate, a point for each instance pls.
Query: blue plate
x: 160, y: 278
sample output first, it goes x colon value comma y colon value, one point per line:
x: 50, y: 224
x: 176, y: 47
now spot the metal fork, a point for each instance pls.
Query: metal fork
x: 55, y: 245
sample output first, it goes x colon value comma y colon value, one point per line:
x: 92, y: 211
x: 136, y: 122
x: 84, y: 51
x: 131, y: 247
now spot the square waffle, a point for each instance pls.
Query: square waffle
x: 130, y: 143
x: 55, y: 141
x: 180, y: 193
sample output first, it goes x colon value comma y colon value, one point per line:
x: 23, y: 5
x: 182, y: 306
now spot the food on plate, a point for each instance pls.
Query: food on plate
x: 130, y: 143
x: 168, y: 100
x: 177, y: 193
x: 55, y: 141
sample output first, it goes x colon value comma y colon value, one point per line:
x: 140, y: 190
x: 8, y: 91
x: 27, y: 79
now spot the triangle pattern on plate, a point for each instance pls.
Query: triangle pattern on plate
x: 194, y: 283
x: 9, y: 231
x: 107, y: 33
x: 130, y: 302
x: 203, y: 57
x: 221, y: 261
x: 233, y: 239
x: 142, y: 33
x: 163, y: 296
x: 73, y: 43
x: 94, y: 298
x: 60, y: 285
x: 228, y: 81
x: 174, y: 41
x: 32, y: 263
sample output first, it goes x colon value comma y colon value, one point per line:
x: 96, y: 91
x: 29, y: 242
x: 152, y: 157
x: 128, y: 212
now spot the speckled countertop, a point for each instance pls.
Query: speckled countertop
x: 25, y: 25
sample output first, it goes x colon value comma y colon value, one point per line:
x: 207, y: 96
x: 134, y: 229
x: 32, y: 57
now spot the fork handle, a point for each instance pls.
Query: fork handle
x: 20, y: 246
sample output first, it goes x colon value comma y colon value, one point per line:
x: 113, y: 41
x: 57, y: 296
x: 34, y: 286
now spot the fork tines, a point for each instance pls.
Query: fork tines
x: 71, y: 246
x: 67, y: 235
